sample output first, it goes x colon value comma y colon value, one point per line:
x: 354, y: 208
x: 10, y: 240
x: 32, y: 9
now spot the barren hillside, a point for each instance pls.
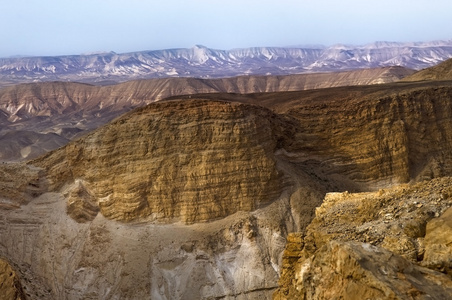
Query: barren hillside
x: 442, y: 71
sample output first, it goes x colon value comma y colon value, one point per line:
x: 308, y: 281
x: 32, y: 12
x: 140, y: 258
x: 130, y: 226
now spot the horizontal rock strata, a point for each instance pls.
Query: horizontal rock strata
x: 188, y: 160
x: 369, y: 137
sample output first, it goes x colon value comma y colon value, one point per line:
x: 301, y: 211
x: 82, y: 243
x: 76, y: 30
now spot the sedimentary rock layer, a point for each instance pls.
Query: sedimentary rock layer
x: 207, y: 148
x: 371, y: 137
x: 409, y: 223
x: 39, y: 117
x: 188, y: 160
x: 351, y: 270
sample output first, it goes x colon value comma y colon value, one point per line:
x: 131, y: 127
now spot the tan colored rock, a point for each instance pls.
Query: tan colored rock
x: 192, y: 161
x: 19, y: 183
x: 395, y: 220
x: 291, y: 254
x: 10, y: 287
x: 81, y: 205
x: 371, y: 137
x: 438, y: 243
x: 352, y: 270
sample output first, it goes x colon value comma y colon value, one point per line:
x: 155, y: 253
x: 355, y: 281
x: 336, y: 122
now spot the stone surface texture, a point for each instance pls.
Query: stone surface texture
x: 10, y: 287
x: 38, y: 117
x: 191, y: 161
x: 195, y: 198
x: 394, y: 234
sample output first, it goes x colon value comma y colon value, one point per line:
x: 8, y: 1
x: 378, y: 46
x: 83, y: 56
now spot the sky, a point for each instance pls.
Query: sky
x: 64, y: 27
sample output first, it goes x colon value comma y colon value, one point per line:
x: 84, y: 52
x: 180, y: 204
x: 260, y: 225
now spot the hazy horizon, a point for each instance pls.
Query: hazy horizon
x: 53, y: 28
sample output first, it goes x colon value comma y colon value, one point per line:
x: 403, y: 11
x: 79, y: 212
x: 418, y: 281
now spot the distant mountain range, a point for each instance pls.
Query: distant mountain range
x: 200, y: 61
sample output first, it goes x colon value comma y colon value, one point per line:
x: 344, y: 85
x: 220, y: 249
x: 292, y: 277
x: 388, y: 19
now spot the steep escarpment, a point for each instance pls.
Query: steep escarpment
x: 58, y: 111
x: 199, y: 160
x: 184, y: 160
x: 369, y: 137
x: 386, y: 140
x: 382, y: 140
x: 207, y: 192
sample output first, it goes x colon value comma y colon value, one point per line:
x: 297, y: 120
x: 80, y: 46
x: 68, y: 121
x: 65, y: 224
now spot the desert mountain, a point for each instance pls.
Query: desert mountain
x: 64, y: 110
x: 200, y: 61
x: 194, y: 198
x: 443, y: 71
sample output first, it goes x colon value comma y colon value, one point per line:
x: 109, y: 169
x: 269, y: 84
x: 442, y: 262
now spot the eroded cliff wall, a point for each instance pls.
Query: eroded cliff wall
x: 375, y: 140
x: 185, y: 160
x: 212, y: 188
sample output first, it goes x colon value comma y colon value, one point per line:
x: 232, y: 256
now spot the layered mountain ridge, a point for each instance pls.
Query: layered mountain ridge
x: 204, y: 62
x: 194, y: 197
x: 59, y: 111
x: 316, y: 194
x: 168, y: 159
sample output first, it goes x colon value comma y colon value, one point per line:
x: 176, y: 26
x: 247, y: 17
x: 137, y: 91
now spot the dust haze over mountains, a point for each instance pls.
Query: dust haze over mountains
x: 248, y: 187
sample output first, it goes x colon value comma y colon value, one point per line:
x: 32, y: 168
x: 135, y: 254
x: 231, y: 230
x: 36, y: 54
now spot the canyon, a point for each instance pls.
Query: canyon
x: 230, y: 194
x: 38, y: 117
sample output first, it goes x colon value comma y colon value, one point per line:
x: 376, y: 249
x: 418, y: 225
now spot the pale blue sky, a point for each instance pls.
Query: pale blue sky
x: 60, y: 27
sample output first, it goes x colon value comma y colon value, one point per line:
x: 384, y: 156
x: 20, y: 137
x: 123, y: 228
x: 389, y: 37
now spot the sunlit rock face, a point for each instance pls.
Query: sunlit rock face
x: 191, y: 161
x: 10, y: 287
x: 195, y: 198
x: 394, y: 243
x: 39, y: 117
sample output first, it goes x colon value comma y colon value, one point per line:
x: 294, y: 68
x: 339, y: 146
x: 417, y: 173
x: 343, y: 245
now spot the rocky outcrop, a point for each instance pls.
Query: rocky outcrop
x: 206, y: 193
x: 63, y: 249
x: 353, y: 235
x: 10, y: 287
x: 19, y: 184
x: 351, y: 270
x: 184, y: 160
x: 438, y: 243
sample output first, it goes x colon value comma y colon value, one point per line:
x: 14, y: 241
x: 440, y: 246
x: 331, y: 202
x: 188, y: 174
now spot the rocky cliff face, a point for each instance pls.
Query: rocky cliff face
x: 191, y: 161
x: 36, y: 118
x: 193, y: 198
x: 374, y: 245
x: 369, y: 137
x: 190, y: 143
x: 176, y: 200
